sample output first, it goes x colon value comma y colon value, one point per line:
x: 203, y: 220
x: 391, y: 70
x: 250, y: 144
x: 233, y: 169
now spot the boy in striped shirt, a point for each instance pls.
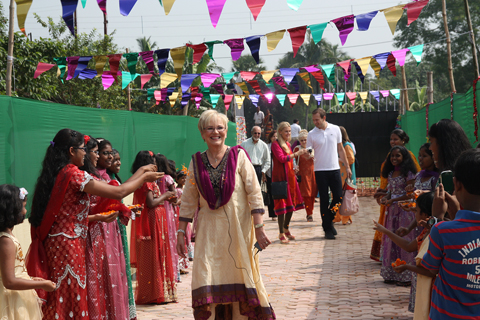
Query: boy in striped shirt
x: 454, y: 250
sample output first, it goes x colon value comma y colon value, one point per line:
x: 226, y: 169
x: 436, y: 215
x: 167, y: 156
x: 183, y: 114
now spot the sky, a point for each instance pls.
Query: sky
x: 189, y: 21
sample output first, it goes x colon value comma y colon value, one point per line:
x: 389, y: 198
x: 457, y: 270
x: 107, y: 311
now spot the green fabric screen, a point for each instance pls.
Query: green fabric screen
x: 414, y: 123
x: 27, y: 127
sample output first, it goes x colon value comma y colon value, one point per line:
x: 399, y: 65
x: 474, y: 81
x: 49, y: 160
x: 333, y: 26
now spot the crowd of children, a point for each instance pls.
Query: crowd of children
x: 78, y: 264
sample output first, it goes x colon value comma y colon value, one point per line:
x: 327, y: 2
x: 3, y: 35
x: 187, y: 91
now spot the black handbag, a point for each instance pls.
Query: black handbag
x: 280, y: 190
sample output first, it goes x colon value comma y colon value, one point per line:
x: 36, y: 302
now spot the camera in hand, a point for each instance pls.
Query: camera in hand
x: 310, y: 150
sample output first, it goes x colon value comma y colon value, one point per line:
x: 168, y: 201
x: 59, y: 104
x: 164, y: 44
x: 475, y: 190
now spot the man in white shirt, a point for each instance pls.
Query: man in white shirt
x: 295, y: 130
x: 258, y: 152
x: 326, y: 140
x: 258, y: 118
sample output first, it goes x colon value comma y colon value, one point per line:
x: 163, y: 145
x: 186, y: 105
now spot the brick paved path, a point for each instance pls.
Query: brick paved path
x: 314, y: 278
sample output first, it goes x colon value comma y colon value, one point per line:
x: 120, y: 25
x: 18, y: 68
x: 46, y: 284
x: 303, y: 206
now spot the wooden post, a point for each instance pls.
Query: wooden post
x: 470, y: 28
x: 105, y: 24
x: 129, y: 97
x: 449, y: 46
x: 430, y: 86
x: 75, y: 23
x: 8, y: 78
x: 185, y: 109
x: 405, y: 102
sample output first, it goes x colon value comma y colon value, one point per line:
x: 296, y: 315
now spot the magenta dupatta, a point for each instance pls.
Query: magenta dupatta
x: 227, y: 186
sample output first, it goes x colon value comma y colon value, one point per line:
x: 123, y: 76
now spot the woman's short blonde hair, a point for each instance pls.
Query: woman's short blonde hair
x: 210, y: 115
x: 303, y: 134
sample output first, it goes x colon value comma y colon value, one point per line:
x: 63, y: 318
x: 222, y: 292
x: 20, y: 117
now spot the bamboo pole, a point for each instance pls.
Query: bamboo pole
x: 405, y: 102
x: 470, y: 28
x: 430, y: 87
x: 449, y: 46
x: 8, y: 78
x: 129, y: 95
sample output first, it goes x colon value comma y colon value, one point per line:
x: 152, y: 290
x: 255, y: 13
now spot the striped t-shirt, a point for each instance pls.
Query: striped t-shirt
x: 454, y: 251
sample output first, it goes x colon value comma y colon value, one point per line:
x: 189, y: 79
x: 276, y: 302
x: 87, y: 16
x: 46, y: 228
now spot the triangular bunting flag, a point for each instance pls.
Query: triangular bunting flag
x: 210, y: 45
x: 82, y: 65
x: 173, y: 98
x: 417, y: 52
x: 294, y: 4
x: 363, y: 96
x: 375, y: 66
x: 293, y: 98
x: 395, y: 93
x: 306, y: 77
x: 329, y: 72
x: 167, y: 6
x: 255, y: 7
x: 391, y: 64
x: 318, y: 97
x: 376, y: 95
x: 72, y: 65
x: 351, y: 96
x: 100, y: 64
x: 61, y: 63
x: 273, y: 38
x: 187, y: 80
x: 340, y: 97
x: 87, y: 74
x: 228, y: 76
x: 167, y: 78
x: 255, y: 86
x: 198, y: 51
x: 382, y: 59
x: 244, y: 87
x: 346, y: 66
x: 178, y: 57
x: 239, y: 100
x: 132, y: 59
x: 392, y: 15
x: 22, y: 10
x: 144, y: 78
x: 127, y: 77
x: 41, y: 68
x: 288, y: 74
x: 281, y: 99
x: 227, y: 100
x: 209, y: 78
x: 147, y: 57
x: 254, y: 98
x: 316, y: 30
x: 267, y: 75
x: 107, y: 79
x: 306, y: 98
x: 68, y: 8
x: 414, y: 9
x: 248, y: 75
x: 297, y: 35
x: 253, y: 43
x: 162, y: 58
x: 125, y: 6
x: 363, y: 20
x: 236, y: 46
x: 363, y: 63
x: 319, y: 77
x: 328, y: 95
x: 214, y: 98
x: 215, y: 8
x: 385, y: 93
x: 400, y: 56
x: 344, y: 26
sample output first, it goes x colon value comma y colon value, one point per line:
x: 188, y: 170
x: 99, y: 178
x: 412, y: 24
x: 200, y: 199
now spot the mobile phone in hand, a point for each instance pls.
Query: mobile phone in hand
x: 446, y: 178
x: 257, y: 246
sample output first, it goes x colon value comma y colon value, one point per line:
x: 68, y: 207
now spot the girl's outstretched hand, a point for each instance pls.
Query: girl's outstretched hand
x: 47, y: 285
x: 378, y: 227
x: 400, y: 268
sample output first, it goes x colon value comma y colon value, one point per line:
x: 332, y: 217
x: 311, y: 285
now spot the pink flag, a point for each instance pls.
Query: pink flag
x: 298, y: 37
x: 107, y: 79
x: 215, y: 8
x: 255, y: 7
x: 400, y: 56
x: 144, y: 78
x: 248, y: 75
x: 198, y: 100
x: 328, y: 95
x: 293, y: 98
x: 414, y: 9
x: 158, y: 96
x: 227, y: 100
x: 41, y: 68
x: 147, y: 57
x: 385, y: 93
x: 352, y: 96
x: 344, y: 26
x: 198, y: 51
x: 72, y: 66
x: 311, y: 68
x: 346, y: 66
x: 236, y: 45
x: 209, y: 78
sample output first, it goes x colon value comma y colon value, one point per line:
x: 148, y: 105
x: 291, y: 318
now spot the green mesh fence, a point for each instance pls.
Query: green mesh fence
x: 27, y: 126
x: 414, y: 123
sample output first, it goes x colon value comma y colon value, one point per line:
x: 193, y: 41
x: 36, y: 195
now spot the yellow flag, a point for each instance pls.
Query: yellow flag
x: 178, y: 57
x: 267, y: 75
x: 22, y: 10
x: 375, y: 66
x: 363, y: 63
x: 99, y: 64
x: 393, y: 14
x: 244, y: 87
x: 273, y: 38
x: 166, y: 79
x: 306, y: 98
x: 173, y: 98
x: 167, y: 6
x: 306, y: 77
x: 239, y: 100
x: 363, y: 95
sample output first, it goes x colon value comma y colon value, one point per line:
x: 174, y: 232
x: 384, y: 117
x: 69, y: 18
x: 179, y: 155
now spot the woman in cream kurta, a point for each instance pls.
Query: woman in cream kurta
x: 226, y: 281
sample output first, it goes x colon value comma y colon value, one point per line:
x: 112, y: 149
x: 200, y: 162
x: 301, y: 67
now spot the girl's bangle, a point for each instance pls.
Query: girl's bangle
x: 258, y: 226
x: 180, y: 230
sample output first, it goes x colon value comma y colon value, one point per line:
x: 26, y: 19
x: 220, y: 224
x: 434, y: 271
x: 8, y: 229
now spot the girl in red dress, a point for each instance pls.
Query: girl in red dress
x: 59, y: 223
x: 150, y: 242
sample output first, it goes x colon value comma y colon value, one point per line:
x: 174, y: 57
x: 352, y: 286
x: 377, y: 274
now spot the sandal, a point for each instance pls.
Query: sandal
x: 289, y: 235
x: 309, y: 218
x: 283, y: 240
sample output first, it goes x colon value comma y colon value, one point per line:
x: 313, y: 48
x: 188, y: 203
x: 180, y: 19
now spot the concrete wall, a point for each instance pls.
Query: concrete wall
x: 22, y: 231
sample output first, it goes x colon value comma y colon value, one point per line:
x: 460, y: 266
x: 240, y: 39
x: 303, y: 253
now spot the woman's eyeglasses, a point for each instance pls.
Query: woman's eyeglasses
x: 107, y: 153
x: 81, y: 148
x: 212, y: 129
x: 96, y: 152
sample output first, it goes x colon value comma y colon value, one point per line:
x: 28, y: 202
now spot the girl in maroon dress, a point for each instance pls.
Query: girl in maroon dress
x: 59, y: 223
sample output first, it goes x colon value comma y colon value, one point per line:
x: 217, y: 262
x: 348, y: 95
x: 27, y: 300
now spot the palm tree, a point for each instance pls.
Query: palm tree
x: 145, y: 44
x: 247, y: 63
x: 419, y: 96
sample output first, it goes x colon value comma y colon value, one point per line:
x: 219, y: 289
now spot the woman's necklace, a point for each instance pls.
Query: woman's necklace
x: 214, y: 158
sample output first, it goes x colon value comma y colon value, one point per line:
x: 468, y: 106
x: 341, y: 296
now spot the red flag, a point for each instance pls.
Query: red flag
x: 198, y: 51
x: 298, y: 37
x: 255, y: 7
x: 41, y: 68
x: 414, y: 9
x: 114, y: 61
x: 352, y: 96
x: 227, y: 100
x: 293, y: 98
x: 255, y: 86
x: 144, y: 78
x: 346, y: 66
x: 248, y: 75
x: 318, y: 75
x: 391, y: 64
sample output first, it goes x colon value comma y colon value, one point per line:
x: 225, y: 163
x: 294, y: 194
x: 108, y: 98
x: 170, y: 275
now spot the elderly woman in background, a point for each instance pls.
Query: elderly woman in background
x: 283, y: 171
x: 226, y: 281
x: 350, y: 153
x: 308, y: 186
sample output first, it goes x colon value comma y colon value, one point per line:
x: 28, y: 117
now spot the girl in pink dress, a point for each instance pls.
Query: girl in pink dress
x: 59, y: 223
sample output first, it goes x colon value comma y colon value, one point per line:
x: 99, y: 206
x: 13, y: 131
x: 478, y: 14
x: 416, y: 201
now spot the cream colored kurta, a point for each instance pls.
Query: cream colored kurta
x: 424, y: 287
x: 225, y: 269
x: 19, y: 304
